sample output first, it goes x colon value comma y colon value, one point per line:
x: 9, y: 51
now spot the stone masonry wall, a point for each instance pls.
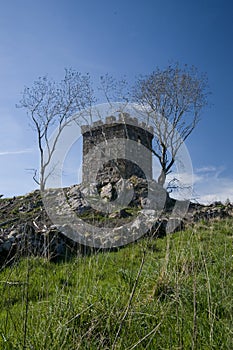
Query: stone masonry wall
x: 107, y: 143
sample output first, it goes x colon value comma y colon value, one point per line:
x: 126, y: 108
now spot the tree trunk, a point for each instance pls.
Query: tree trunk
x: 162, y: 178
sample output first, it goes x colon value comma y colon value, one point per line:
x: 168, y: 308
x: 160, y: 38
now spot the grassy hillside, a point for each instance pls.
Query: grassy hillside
x: 175, y: 292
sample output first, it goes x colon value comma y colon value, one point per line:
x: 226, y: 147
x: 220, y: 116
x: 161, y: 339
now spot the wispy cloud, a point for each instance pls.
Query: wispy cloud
x: 210, y: 171
x: 206, y: 169
x: 212, y: 185
x: 209, y: 185
x: 22, y: 151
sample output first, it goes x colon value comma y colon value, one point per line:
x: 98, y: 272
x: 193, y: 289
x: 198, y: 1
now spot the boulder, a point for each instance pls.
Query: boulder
x: 106, y: 192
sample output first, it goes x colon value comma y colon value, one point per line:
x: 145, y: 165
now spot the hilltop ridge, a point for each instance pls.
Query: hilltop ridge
x: 25, y: 227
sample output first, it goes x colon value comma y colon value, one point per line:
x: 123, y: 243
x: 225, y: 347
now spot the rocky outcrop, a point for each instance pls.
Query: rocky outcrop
x: 26, y: 229
x: 214, y: 211
x: 28, y: 240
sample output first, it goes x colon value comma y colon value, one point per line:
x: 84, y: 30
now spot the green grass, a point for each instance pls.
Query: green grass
x: 171, y: 293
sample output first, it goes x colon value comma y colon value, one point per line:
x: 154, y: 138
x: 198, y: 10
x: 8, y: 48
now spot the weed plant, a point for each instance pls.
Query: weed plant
x: 174, y: 292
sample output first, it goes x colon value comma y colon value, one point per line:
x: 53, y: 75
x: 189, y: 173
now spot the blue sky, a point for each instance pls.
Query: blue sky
x: 120, y: 38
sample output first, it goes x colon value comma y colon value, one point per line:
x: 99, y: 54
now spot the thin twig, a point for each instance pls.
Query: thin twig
x: 146, y: 336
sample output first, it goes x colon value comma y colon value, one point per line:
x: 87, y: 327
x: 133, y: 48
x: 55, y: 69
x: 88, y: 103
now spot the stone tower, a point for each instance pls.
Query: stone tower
x: 118, y: 147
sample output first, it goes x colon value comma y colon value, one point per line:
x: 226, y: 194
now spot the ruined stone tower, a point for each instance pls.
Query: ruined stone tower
x: 116, y: 147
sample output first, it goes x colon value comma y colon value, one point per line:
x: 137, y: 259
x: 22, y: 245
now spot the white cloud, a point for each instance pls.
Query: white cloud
x: 23, y: 151
x: 206, y: 169
x: 212, y: 185
x: 210, y: 171
x: 215, y: 189
x: 14, y: 177
x: 209, y: 185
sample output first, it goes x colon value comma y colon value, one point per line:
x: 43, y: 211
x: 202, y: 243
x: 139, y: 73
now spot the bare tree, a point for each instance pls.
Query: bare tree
x: 114, y: 90
x: 51, y: 105
x: 173, y: 99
